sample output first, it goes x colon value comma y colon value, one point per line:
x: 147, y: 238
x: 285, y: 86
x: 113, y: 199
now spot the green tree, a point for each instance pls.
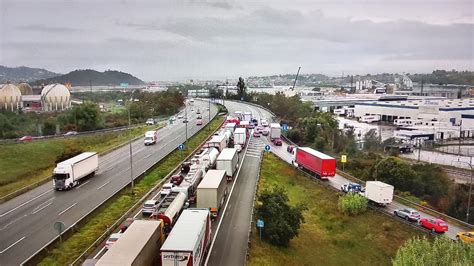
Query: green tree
x: 441, y: 251
x: 371, y: 141
x: 397, y: 173
x: 282, y: 221
x: 352, y: 204
x: 86, y: 116
x: 241, y: 88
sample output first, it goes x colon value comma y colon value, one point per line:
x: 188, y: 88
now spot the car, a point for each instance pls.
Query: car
x: 407, y: 214
x: 126, y: 224
x: 149, y: 207
x: 256, y: 134
x: 465, y: 237
x: 199, y: 122
x: 150, y: 121
x: 173, y: 118
x: 259, y: 129
x: 112, y: 239
x: 180, y: 116
x: 265, y: 132
x: 277, y: 142
x: 185, y: 120
x: 25, y: 139
x: 70, y: 133
x: 435, y: 225
x: 251, y: 126
x: 290, y: 149
x: 352, y: 188
x: 166, y: 189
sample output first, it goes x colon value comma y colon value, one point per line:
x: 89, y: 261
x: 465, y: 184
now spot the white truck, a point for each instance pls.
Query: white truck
x: 212, y: 191
x: 230, y: 127
x: 264, y: 123
x: 240, y: 138
x: 247, y: 116
x: 370, y: 118
x: 228, y: 160
x: 138, y: 245
x: 379, y: 192
x: 189, y: 240
x: 219, y: 142
x: 150, y: 137
x: 68, y: 173
x: 275, y: 131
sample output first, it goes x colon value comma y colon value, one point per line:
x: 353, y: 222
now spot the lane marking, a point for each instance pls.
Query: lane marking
x: 26, y: 202
x: 67, y: 209
x: 40, y: 209
x: 12, y: 222
x: 106, y: 183
x: 253, y: 156
x: 1, y: 252
x: 82, y: 184
x: 98, y: 253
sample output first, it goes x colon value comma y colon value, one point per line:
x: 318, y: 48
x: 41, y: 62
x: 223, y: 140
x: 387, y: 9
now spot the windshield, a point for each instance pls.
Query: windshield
x: 148, y: 138
x: 149, y: 205
x: 61, y: 176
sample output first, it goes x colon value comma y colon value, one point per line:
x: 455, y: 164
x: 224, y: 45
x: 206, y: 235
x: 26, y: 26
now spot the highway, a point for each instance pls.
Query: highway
x: 26, y: 222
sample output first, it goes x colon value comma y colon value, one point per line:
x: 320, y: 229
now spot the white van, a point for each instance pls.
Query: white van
x: 370, y: 118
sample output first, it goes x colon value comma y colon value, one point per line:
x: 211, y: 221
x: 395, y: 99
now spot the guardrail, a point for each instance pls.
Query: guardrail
x: 41, y: 253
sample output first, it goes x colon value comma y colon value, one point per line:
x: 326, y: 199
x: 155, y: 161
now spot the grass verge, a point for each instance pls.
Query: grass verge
x: 328, y: 237
x: 107, y: 214
x: 27, y: 163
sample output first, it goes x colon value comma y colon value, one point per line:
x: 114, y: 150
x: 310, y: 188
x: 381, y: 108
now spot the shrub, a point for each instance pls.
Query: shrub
x: 352, y: 204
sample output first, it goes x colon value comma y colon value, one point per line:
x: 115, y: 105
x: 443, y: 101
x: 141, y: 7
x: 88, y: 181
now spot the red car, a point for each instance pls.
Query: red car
x: 435, y: 225
x: 277, y: 142
x: 25, y: 138
x: 256, y: 134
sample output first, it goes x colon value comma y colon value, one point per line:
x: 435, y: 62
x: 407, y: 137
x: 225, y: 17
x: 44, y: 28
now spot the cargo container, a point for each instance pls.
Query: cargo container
x: 317, y: 162
x: 239, y: 115
x: 68, y: 173
x: 230, y: 127
x: 240, y: 138
x: 150, y: 137
x: 219, y: 142
x: 212, y: 191
x: 206, y: 158
x: 169, y: 208
x: 228, y: 161
x: 189, y: 241
x: 379, y: 192
x: 247, y: 116
x: 138, y: 245
x: 191, y: 181
x: 245, y: 124
x: 275, y: 131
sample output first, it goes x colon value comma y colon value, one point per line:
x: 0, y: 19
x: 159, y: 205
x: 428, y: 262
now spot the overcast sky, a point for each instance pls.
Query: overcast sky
x: 212, y: 39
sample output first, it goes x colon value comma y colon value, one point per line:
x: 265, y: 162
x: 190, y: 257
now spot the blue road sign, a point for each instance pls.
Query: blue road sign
x: 260, y: 223
x: 284, y: 127
x: 181, y: 147
x: 267, y: 147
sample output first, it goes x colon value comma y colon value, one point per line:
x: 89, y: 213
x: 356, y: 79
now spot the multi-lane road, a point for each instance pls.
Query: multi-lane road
x: 26, y: 222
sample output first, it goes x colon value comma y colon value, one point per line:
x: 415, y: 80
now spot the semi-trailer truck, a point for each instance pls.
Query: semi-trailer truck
x: 138, y: 245
x: 68, y: 173
x: 275, y: 131
x: 322, y: 165
x: 228, y: 160
x: 150, y: 137
x: 212, y: 191
x: 169, y: 209
x: 189, y: 240
x: 240, y: 138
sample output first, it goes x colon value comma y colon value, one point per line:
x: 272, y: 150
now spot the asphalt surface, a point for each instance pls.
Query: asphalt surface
x: 26, y: 222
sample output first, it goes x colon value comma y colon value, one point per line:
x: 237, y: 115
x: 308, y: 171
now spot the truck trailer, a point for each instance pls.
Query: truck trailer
x: 150, y: 137
x: 212, y: 191
x: 247, y: 116
x: 275, y: 131
x: 317, y: 162
x: 169, y: 209
x: 228, y: 160
x: 217, y: 141
x: 68, y: 173
x: 189, y: 240
x: 230, y: 127
x: 378, y: 192
x: 138, y: 245
x: 240, y: 138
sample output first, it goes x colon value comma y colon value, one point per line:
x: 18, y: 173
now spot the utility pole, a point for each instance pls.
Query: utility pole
x: 459, y: 145
x: 209, y: 126
x: 130, y: 148
x: 186, y: 119
x: 419, y: 148
x: 470, y: 193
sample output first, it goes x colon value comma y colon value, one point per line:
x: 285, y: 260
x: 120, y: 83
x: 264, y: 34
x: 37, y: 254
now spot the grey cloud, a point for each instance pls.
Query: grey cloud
x: 48, y: 29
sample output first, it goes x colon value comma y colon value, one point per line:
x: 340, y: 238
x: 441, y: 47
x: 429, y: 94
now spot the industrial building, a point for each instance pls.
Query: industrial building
x: 53, y: 97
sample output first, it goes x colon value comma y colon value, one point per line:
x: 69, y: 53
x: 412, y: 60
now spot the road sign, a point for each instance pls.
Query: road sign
x: 260, y: 223
x: 181, y: 147
x: 267, y: 147
x: 284, y: 127
x: 343, y: 158
x: 124, y: 85
x: 60, y: 227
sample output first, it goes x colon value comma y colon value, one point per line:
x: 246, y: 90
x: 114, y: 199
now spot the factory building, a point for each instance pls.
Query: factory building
x: 54, y: 97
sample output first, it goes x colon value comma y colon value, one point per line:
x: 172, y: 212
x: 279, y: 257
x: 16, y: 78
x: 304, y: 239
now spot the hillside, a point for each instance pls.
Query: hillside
x: 27, y: 74
x: 95, y: 78
x: 445, y: 77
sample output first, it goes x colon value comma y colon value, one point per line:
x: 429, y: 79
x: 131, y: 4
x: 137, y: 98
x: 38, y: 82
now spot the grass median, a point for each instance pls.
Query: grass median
x: 107, y: 214
x: 24, y: 164
x: 328, y: 237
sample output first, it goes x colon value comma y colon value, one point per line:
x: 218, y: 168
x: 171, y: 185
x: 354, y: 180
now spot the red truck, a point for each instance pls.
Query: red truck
x: 317, y: 162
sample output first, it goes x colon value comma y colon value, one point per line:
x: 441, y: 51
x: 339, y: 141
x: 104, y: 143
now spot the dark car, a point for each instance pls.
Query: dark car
x: 277, y: 142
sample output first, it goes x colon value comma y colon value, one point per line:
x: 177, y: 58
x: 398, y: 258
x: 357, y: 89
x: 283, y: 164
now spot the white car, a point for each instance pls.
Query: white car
x: 150, y: 121
x: 112, y: 239
x: 166, y: 189
x: 180, y: 116
x: 173, y: 118
x: 149, y: 207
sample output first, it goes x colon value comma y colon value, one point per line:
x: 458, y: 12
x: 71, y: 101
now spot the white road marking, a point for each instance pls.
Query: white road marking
x: 26, y: 202
x: 12, y: 244
x: 82, y: 184
x: 98, y: 253
x: 106, y: 183
x: 253, y: 156
x: 40, y: 209
x: 67, y: 209
x: 12, y: 222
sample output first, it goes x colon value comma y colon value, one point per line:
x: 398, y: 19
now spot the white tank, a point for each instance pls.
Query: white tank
x: 173, y: 209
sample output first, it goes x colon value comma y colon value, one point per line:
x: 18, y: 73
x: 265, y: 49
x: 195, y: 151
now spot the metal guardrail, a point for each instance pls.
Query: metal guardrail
x: 41, y: 253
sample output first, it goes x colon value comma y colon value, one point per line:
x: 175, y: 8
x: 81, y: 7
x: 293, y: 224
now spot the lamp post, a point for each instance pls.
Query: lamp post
x: 130, y: 148
x: 470, y: 188
x: 186, y: 120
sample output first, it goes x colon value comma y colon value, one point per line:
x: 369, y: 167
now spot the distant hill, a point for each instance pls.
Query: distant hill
x: 95, y: 78
x: 27, y: 74
x: 445, y: 77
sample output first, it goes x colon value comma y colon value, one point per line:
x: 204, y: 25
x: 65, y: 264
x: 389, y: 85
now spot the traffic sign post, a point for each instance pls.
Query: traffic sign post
x: 260, y: 225
x: 284, y: 127
x: 267, y: 147
x: 60, y: 227
x: 343, y: 161
x: 181, y: 147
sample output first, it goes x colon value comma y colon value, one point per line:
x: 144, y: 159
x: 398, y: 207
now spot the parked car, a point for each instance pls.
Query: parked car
x: 435, y: 225
x: 290, y: 148
x: 407, y: 214
x: 256, y: 134
x: 277, y: 142
x: 149, y: 207
x: 465, y: 237
x: 25, y: 139
x: 150, y: 121
x: 70, y: 133
x: 112, y: 239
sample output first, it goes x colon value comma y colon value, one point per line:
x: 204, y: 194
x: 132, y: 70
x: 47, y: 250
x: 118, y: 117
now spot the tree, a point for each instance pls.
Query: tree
x: 352, y: 204
x: 282, y: 221
x: 371, y: 141
x: 241, y: 88
x: 399, y: 174
x: 86, y: 116
x: 441, y: 251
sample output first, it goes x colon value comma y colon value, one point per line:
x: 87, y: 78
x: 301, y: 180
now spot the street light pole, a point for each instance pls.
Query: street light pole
x: 470, y: 193
x: 186, y: 119
x: 209, y: 126
x: 130, y: 148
